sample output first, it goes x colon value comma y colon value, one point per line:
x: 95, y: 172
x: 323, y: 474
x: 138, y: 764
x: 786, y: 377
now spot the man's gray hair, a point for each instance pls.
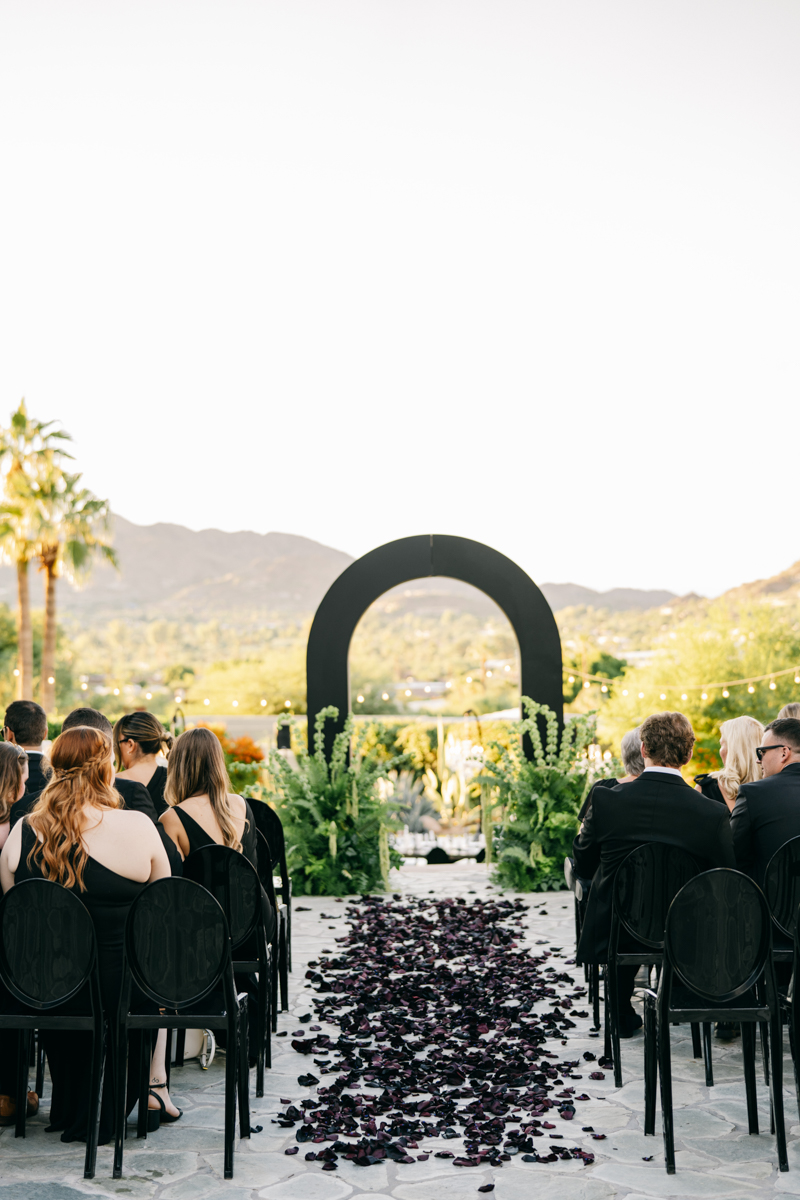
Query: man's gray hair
x: 631, y: 751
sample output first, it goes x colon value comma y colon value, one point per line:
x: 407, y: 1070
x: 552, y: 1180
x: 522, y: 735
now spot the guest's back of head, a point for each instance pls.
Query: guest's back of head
x: 791, y: 711
x: 28, y: 723
x: 82, y: 775
x: 146, y: 730
x: 13, y: 761
x: 740, y: 737
x: 667, y: 739
x: 92, y: 718
x: 197, y: 768
x: 631, y: 752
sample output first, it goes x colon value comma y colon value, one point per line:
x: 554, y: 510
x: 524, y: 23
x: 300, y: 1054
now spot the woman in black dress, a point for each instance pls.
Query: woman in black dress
x: 202, y: 811
x: 78, y: 835
x: 138, y: 738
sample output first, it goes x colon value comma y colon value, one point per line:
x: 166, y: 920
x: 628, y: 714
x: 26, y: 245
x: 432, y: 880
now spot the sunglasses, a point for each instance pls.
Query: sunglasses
x: 762, y: 750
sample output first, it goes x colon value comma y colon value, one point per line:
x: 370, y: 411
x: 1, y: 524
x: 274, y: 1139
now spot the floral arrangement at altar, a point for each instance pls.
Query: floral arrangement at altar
x: 335, y: 816
x: 540, y: 797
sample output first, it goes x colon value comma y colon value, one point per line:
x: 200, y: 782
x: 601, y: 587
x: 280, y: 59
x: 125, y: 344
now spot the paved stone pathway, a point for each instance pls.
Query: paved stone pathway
x: 715, y: 1155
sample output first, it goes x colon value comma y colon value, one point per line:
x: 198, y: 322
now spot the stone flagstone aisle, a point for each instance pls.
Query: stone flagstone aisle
x: 715, y: 1155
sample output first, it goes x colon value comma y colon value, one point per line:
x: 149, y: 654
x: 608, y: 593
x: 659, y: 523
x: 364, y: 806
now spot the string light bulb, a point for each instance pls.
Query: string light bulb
x: 263, y: 704
x: 235, y: 703
x: 84, y: 686
x: 725, y: 693
x: 704, y: 695
x: 641, y: 695
x: 360, y: 699
x: 684, y: 696
x: 586, y: 683
x: 772, y: 685
x: 385, y: 696
x: 287, y: 704
x: 624, y: 691
x: 604, y: 688
x: 469, y: 680
x: 751, y: 689
x: 571, y: 679
x: 206, y: 701
x: 663, y: 696
x: 796, y: 678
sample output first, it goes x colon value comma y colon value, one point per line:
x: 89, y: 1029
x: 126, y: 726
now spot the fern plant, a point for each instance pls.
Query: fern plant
x: 335, y: 819
x: 541, y: 798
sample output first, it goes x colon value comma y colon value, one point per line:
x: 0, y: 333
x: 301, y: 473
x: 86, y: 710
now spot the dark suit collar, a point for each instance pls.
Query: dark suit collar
x: 662, y: 777
x: 792, y: 769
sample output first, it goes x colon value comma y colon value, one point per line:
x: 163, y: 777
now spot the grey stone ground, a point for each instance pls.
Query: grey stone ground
x: 715, y: 1155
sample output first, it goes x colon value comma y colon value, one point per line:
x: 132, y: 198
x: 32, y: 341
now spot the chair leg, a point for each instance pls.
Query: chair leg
x: 792, y: 1049
x: 665, y: 1078
x: 262, y: 1033
x: 121, y: 1086
x: 776, y: 1088
x: 39, y: 1088
x: 144, y: 1082
x: 612, y: 991
x: 180, y: 1047
x: 749, y: 1060
x: 697, y: 1049
x: 606, y: 1013
x: 23, y: 1062
x: 95, y: 1095
x: 243, y: 1076
x: 168, y: 1056
x: 594, y: 976
x: 274, y: 981
x: 268, y: 1020
x: 283, y: 972
x: 230, y: 1095
x: 765, y: 1049
x: 650, y: 1066
x: 707, y: 1054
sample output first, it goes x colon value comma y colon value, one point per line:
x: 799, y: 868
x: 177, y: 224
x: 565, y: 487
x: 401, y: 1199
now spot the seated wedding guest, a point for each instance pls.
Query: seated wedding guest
x: 632, y: 762
x: 767, y: 811
x: 25, y: 725
x: 657, y: 807
x: 789, y: 710
x: 138, y: 738
x: 79, y: 835
x: 135, y: 795
x: 13, y: 776
x: 738, y: 739
x: 202, y: 811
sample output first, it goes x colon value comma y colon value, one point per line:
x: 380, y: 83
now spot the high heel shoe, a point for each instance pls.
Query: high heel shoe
x: 164, y: 1117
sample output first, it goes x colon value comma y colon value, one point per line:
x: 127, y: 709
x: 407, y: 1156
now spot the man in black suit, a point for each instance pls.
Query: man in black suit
x: 657, y: 807
x: 767, y: 812
x: 25, y: 724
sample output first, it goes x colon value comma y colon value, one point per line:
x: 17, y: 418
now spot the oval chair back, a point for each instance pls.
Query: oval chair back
x: 47, y: 943
x: 719, y: 935
x: 782, y: 886
x: 265, y: 868
x: 233, y: 881
x: 646, y: 884
x: 269, y: 824
x: 176, y: 942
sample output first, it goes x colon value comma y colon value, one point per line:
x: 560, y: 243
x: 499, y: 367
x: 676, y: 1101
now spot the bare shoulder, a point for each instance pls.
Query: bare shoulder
x: 238, y: 804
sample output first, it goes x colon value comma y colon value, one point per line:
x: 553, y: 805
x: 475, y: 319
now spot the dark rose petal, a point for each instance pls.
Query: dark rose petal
x: 291, y: 1149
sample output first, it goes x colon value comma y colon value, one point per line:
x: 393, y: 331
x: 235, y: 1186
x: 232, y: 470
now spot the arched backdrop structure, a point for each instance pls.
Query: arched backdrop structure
x: 349, y: 596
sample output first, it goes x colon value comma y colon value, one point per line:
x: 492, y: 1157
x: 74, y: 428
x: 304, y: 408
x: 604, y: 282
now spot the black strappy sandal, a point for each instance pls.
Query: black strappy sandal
x: 164, y: 1118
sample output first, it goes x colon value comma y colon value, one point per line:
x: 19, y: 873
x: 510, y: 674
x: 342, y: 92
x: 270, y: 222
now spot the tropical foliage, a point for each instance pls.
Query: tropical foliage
x: 45, y: 516
x: 335, y: 819
x: 540, y: 797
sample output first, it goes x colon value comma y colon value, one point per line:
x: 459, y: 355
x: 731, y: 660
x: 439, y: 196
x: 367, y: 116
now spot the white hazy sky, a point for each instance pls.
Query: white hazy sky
x: 528, y: 272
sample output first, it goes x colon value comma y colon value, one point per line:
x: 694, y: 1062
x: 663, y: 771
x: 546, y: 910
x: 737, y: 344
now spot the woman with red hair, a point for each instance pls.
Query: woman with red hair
x: 77, y: 835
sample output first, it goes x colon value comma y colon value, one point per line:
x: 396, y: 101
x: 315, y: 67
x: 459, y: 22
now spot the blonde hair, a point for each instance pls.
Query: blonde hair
x: 82, y: 774
x: 789, y: 710
x: 197, y: 768
x: 144, y: 729
x: 12, y: 761
x: 741, y: 736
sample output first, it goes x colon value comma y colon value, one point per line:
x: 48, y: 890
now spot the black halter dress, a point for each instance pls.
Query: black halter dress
x: 198, y: 837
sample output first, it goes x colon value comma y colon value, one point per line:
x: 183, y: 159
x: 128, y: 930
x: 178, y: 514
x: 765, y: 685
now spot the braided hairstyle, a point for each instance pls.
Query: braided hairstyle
x: 82, y: 774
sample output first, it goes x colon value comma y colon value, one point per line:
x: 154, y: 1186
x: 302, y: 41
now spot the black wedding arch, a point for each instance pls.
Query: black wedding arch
x: 349, y: 596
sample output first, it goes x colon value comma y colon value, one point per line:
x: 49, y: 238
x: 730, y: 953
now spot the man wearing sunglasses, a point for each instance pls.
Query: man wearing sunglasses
x: 767, y: 812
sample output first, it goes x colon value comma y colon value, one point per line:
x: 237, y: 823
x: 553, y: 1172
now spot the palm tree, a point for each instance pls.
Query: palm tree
x: 28, y: 452
x: 73, y: 530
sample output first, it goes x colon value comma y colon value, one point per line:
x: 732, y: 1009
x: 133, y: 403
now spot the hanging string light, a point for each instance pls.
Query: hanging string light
x: 703, y: 688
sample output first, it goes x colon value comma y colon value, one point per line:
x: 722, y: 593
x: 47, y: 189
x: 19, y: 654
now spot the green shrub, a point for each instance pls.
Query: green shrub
x: 335, y: 819
x: 541, y: 799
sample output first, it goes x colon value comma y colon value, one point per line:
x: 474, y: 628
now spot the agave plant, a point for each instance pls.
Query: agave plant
x: 335, y: 820
x: 541, y: 796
